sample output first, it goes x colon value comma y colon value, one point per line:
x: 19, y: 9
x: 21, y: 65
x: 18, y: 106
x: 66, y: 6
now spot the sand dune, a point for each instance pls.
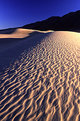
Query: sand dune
x: 18, y: 33
x: 43, y: 81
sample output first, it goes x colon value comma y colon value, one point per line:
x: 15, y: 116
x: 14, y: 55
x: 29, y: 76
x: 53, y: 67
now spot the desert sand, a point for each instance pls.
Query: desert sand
x: 39, y: 76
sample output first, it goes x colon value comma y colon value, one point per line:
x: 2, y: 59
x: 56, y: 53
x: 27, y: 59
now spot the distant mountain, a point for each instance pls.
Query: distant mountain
x: 68, y: 22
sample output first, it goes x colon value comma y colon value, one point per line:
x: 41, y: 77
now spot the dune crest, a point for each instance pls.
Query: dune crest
x: 20, y: 33
x: 44, y: 85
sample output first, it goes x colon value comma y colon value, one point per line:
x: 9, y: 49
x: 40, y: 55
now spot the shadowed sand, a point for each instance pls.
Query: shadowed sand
x: 43, y: 81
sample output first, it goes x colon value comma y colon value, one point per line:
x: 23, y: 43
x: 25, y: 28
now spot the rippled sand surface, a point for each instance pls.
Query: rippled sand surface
x: 43, y: 83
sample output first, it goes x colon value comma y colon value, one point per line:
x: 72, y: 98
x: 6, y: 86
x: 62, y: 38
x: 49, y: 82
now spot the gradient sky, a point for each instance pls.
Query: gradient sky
x: 16, y: 13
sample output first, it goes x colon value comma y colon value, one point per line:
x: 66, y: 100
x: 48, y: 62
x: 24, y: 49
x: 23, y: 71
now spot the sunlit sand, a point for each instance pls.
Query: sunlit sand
x: 40, y: 76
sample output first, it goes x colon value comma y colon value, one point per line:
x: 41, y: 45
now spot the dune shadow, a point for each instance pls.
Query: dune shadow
x: 15, y: 40
x: 11, y: 48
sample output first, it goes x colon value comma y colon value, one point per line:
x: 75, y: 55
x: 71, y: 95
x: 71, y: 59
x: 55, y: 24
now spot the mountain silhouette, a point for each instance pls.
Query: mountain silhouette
x: 68, y: 22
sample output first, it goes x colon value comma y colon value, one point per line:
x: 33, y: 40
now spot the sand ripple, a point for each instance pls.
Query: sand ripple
x: 44, y: 85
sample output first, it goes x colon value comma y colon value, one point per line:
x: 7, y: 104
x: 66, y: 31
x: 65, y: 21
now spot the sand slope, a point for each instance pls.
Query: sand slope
x: 43, y: 83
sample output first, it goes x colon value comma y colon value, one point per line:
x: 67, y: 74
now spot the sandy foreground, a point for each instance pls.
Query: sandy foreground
x: 39, y: 76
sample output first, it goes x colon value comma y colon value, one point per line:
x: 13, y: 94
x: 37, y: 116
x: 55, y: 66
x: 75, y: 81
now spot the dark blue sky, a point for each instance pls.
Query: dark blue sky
x: 15, y: 13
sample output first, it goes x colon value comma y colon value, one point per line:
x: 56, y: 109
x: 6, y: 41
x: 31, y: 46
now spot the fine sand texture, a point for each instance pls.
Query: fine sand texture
x: 39, y: 76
